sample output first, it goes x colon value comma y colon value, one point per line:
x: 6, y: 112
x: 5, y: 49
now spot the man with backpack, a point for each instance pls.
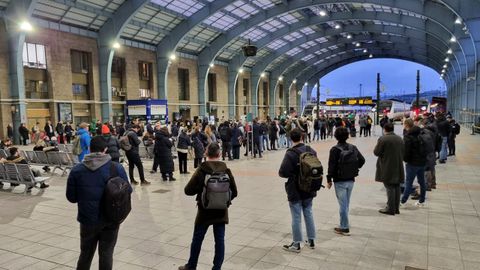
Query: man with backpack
x: 81, y: 142
x: 130, y: 144
x: 301, y: 187
x: 390, y: 172
x: 226, y: 137
x: 416, y: 159
x: 214, y: 187
x: 88, y: 185
x: 344, y: 163
x: 454, y: 131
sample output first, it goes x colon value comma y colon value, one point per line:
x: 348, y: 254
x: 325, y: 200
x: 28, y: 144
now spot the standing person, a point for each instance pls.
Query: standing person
x: 415, y: 158
x: 68, y: 132
x: 49, y: 131
x: 299, y: 201
x: 134, y: 157
x: 10, y: 131
x: 323, y: 128
x: 309, y: 129
x: 383, y: 121
x: 444, y: 130
x: 428, y: 137
x: 198, y: 147
x: 217, y: 218
x: 183, y: 144
x: 454, y: 131
x: 24, y: 133
x: 36, y: 132
x: 84, y: 140
x: 368, y: 127
x: 362, y: 122
x: 282, y: 133
x: 264, y: 136
x: 344, y: 163
x: 316, y: 129
x: 390, y: 151
x: 85, y: 187
x: 226, y: 137
x: 257, y: 137
x: 60, y: 130
x: 272, y: 132
x: 113, y: 147
x: 163, y: 154
x: 237, y: 138
x: 120, y: 129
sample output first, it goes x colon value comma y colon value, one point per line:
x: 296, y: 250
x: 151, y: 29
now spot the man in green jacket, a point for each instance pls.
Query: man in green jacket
x: 390, y: 150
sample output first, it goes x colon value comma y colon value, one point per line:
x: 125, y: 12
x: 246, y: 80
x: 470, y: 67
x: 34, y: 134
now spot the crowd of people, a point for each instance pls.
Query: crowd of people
x: 426, y: 139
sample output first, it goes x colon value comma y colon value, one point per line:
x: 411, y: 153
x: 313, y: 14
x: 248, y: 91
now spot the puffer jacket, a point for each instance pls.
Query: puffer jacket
x: 86, y: 183
x: 113, y: 146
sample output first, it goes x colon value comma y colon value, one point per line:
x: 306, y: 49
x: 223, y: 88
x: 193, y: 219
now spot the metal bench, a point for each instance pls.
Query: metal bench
x: 475, y: 129
x: 19, y: 174
x: 3, y: 153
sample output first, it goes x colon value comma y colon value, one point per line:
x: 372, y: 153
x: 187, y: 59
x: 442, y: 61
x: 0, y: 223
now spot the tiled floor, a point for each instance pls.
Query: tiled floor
x: 39, y: 231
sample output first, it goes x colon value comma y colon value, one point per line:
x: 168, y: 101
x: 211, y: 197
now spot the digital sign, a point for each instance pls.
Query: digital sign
x: 349, y: 101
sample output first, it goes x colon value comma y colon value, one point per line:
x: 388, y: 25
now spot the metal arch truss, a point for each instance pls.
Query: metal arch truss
x: 169, y: 44
x: 108, y: 34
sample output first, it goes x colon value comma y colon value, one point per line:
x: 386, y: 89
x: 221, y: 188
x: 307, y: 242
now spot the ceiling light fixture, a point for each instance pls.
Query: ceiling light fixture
x: 458, y: 21
x: 26, y: 26
x: 212, y: 65
x: 116, y: 45
x: 263, y: 75
x: 358, y: 44
x: 323, y: 13
x: 173, y: 57
x: 453, y: 39
x: 349, y: 36
x: 449, y: 51
x: 365, y: 51
x: 240, y: 70
x: 447, y: 59
x: 295, y: 81
x: 370, y: 56
x: 337, y: 26
x: 280, y: 78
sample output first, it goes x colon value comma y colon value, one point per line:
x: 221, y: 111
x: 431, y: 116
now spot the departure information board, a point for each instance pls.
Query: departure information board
x: 349, y: 101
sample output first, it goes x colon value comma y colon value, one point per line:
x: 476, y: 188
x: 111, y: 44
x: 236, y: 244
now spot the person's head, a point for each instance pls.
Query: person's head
x: 388, y: 127
x: 296, y: 135
x: 7, y: 142
x: 13, y: 151
x: 341, y: 134
x: 83, y: 125
x: 98, y: 145
x: 105, y: 130
x: 408, y: 123
x: 213, y: 151
x: 136, y: 128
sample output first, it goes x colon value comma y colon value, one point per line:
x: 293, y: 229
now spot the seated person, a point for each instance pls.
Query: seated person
x: 16, y: 158
x: 5, y: 143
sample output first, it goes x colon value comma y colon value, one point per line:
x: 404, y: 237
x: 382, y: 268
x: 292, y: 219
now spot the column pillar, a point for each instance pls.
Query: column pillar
x: 105, y: 57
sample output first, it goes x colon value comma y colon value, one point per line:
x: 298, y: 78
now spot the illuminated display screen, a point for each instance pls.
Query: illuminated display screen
x: 349, y: 101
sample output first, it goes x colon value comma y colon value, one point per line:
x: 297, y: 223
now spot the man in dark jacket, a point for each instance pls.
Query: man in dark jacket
x: 298, y: 200
x: 390, y: 151
x: 49, y: 131
x: 206, y: 217
x: 343, y: 175
x: 226, y: 137
x: 454, y: 131
x: 134, y: 157
x: 85, y: 186
x: 416, y: 159
x: 60, y: 130
x: 24, y: 132
x: 113, y: 147
x: 444, y: 130
x: 162, y: 151
x: 256, y: 134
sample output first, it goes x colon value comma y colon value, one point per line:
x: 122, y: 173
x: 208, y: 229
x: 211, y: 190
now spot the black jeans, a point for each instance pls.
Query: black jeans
x: 451, y: 145
x: 197, y: 240
x: 226, y: 146
x: 197, y: 162
x: 323, y: 134
x: 105, y: 235
x: 134, y: 160
x: 256, y: 147
x: 182, y: 162
x: 236, y: 152
x: 393, y: 197
x: 273, y: 144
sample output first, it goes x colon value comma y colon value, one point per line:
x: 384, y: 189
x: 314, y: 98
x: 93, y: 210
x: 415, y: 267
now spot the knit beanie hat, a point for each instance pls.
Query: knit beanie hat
x: 105, y: 129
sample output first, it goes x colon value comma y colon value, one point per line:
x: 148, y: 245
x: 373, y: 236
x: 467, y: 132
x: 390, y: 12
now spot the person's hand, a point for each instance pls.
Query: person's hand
x: 329, y: 185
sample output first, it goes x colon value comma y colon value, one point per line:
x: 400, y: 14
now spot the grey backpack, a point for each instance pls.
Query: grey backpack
x: 216, y: 191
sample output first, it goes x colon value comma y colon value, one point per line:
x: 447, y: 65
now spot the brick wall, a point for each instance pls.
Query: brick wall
x: 5, y: 116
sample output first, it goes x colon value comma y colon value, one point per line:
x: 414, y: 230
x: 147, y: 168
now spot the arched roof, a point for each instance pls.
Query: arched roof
x: 215, y: 30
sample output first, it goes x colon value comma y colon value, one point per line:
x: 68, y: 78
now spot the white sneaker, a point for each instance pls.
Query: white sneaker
x: 403, y: 205
x: 419, y: 204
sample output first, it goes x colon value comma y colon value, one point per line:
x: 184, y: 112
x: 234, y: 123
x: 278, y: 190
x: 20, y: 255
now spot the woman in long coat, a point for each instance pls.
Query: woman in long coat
x: 163, y: 154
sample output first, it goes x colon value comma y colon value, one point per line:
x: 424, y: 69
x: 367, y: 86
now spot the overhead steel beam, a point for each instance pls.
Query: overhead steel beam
x: 169, y: 44
x: 16, y: 12
x: 108, y: 34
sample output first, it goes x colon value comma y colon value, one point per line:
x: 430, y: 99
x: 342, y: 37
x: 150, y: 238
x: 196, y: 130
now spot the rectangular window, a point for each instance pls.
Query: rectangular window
x: 80, y: 61
x: 183, y: 84
x: 117, y: 67
x: 145, y: 93
x: 80, y: 91
x: 144, y: 69
x: 36, y: 89
x: 265, y: 93
x: 245, y: 87
x: 280, y: 92
x: 34, y: 56
x: 212, y: 87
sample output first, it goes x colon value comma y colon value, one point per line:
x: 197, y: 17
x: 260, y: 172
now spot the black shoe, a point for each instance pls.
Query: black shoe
x: 310, y: 243
x: 164, y: 178
x: 345, y: 232
x: 173, y: 178
x: 415, y: 197
x: 230, y: 159
x: 145, y: 182
x: 442, y: 161
x: 184, y: 267
x: 14, y: 184
x: 43, y: 185
x: 385, y: 211
x: 292, y: 247
x: 397, y: 212
x: 134, y: 182
x: 186, y: 173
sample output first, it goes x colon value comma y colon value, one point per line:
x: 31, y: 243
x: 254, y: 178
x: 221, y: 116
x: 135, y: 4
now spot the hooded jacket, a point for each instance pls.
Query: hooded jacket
x: 413, y: 154
x: 195, y: 188
x: 86, y: 183
x: 84, y: 142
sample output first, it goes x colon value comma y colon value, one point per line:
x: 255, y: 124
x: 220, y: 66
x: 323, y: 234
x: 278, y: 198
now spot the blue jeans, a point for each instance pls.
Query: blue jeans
x: 316, y: 134
x: 264, y: 139
x: 296, y: 209
x: 282, y: 141
x: 443, y: 151
x: 198, y: 235
x: 343, y: 190
x: 419, y: 172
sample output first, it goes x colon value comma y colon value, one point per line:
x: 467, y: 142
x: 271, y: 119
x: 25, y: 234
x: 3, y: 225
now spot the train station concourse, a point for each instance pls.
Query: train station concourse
x: 100, y: 98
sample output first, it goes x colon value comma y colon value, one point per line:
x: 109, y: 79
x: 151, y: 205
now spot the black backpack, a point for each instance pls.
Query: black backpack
x: 310, y: 170
x: 116, y: 197
x: 216, y: 192
x: 347, y: 162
